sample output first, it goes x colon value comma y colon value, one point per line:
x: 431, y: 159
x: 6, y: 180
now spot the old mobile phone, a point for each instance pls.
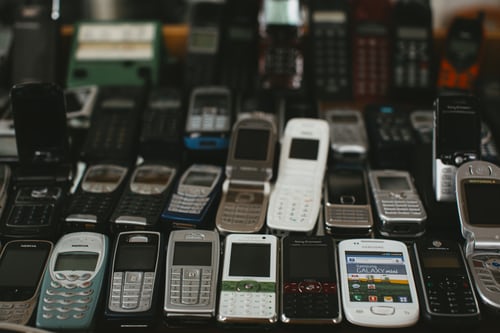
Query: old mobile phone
x: 20, y: 283
x: 72, y: 282
x: 377, y: 283
x: 80, y: 103
x: 281, y: 54
x: 399, y: 208
x: 348, y: 136
x: 446, y: 286
x: 347, y: 208
x: 390, y: 136
x: 209, y: 118
x: 310, y: 289
x: 114, y: 130
x: 460, y: 63
x: 134, y: 280
x: 91, y: 205
x: 478, y: 192
x: 192, y: 273
x: 142, y: 201
x: 203, y: 43
x: 194, y: 197
x: 412, y: 49
x: 249, y: 283
x: 295, y: 200
x: 456, y: 139
x: 249, y: 169
x: 330, y: 48
x: 422, y: 122
x: 162, y: 125
x: 371, y: 49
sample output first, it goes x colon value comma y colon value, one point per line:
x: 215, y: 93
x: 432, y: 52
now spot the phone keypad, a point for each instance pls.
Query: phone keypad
x: 187, y: 205
x: 487, y: 268
x: 98, y: 205
x: 402, y: 207
x: 131, y: 291
x: 450, y: 294
x: 31, y: 215
x: 348, y: 214
x: 293, y: 205
x: 412, y: 68
x: 141, y: 206
x: 240, y: 213
x: 247, y: 304
x: 190, y: 286
x: 282, y: 61
x: 16, y: 313
x: 371, y: 72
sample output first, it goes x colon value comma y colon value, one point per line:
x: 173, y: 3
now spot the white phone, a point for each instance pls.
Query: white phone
x: 249, y: 280
x: 295, y: 201
x: 377, y: 283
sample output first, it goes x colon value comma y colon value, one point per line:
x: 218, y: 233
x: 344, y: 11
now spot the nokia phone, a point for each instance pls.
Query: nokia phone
x: 191, y: 276
x: 92, y: 204
x: 134, y: 280
x: 249, y: 169
x: 456, y: 139
x: 20, y: 283
x: 310, y: 292
x: 446, y: 287
x: 194, y: 197
x: 478, y: 192
x: 142, y: 200
x: 295, y: 200
x: 72, y: 283
x: 347, y: 207
x: 377, y: 283
x: 348, y: 136
x: 249, y: 286
x: 209, y: 118
x: 399, y: 208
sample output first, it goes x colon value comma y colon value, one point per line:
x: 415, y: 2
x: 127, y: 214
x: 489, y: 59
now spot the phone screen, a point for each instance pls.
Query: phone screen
x: 136, y: 257
x: 192, y: 254
x: 252, y: 144
x: 304, y: 149
x: 301, y: 267
x: 457, y: 132
x: 377, y: 277
x: 482, y: 198
x: 347, y: 186
x: 250, y: 260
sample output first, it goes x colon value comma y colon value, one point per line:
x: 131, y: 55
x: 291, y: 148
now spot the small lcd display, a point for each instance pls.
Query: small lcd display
x: 389, y: 183
x: 250, y: 260
x: 344, y: 119
x: 482, y: 198
x: 136, y: 257
x: 192, y: 254
x: 347, y: 186
x: 412, y: 33
x: 152, y: 176
x: 436, y: 261
x: 22, y: 267
x: 252, y: 144
x: 309, y: 261
x: 198, y: 178
x: 304, y: 149
x: 458, y: 132
x: 103, y: 175
x: 76, y: 261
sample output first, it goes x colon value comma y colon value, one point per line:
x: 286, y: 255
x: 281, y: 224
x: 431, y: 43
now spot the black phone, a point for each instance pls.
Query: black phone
x: 310, y: 289
x: 134, y: 280
x: 114, y: 126
x: 446, y: 286
x: 330, y: 48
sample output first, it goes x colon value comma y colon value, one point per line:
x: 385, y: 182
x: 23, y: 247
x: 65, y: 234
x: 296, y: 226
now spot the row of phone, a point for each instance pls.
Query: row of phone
x: 258, y: 280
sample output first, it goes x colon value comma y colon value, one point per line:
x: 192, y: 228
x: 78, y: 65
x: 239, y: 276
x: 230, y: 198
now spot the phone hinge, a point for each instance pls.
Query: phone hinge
x: 472, y: 246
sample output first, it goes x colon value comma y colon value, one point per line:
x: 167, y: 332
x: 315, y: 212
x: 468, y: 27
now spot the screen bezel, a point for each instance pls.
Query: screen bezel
x: 122, y: 241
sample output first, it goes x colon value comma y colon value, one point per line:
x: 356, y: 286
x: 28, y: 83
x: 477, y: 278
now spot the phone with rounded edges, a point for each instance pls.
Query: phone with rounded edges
x: 377, y: 283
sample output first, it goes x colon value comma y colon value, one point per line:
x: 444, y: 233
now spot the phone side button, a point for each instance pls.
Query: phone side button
x: 383, y: 310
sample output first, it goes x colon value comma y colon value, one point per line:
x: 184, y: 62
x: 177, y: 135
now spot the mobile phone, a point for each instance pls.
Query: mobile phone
x: 209, y: 118
x: 377, y: 283
x: 347, y: 207
x: 249, y: 285
x: 390, y: 136
x: 295, y: 200
x: 141, y: 203
x: 134, y: 281
x: 412, y: 49
x: 20, y: 284
x: 371, y: 46
x: 194, y: 196
x: 330, y: 48
x: 460, y: 63
x: 399, y: 208
x: 162, y: 125
x: 456, y: 139
x: 489, y: 150
x: 115, y: 124
x: 348, y: 136
x: 422, y: 122
x: 478, y: 191
x: 310, y: 289
x: 446, y: 286
x: 203, y: 43
x: 249, y: 169
x: 72, y: 282
x: 91, y: 205
x: 80, y: 103
x: 192, y: 273
x: 281, y: 54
